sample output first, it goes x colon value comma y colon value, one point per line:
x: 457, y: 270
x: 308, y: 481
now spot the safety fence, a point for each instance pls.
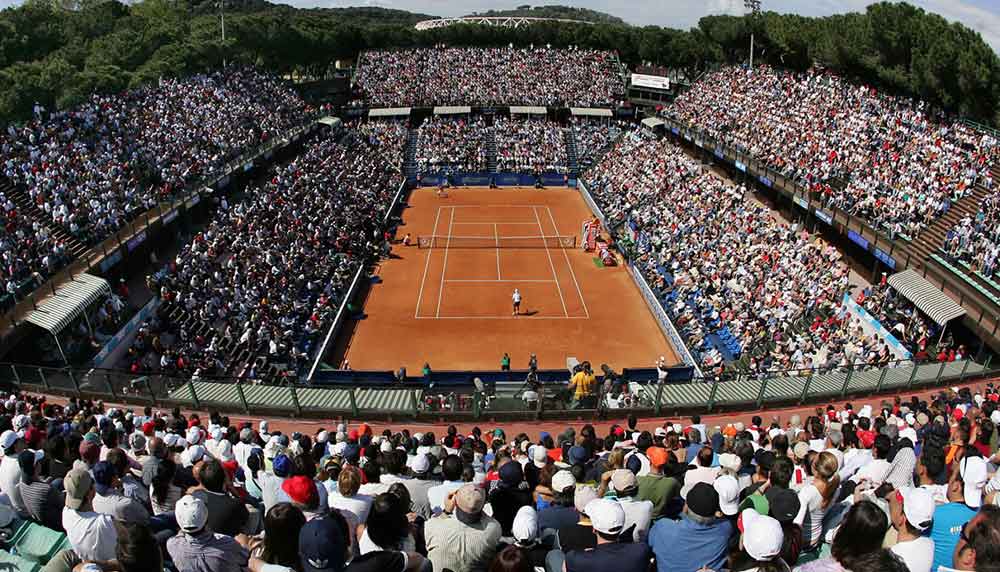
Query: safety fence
x: 550, y: 398
x: 486, y: 179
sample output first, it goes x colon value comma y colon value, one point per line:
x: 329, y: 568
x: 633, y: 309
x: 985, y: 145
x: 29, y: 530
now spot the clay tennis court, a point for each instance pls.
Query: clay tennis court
x: 447, y: 300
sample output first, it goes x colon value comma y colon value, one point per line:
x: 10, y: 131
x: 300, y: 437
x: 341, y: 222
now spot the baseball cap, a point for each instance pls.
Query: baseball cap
x: 192, y: 455
x: 582, y: 496
x: 756, y: 501
x: 191, y: 513
x: 77, y: 484
x: 730, y: 461
x: 623, y: 480
x: 8, y: 438
x: 762, y: 535
x: 703, y: 500
x: 657, y: 456
x: 511, y: 473
x: 800, y: 450
x: 281, y: 465
x: 470, y: 499
x: 563, y: 480
x: 321, y: 546
x: 918, y: 506
x: 606, y: 515
x: 577, y: 455
x: 784, y: 504
x: 421, y: 464
x: 525, y: 526
x: 104, y: 473
x: 300, y: 489
x: 89, y: 451
x: 729, y: 494
x: 539, y: 456
x: 973, y: 472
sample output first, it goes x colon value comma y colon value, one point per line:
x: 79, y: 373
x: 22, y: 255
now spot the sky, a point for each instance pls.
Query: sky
x: 980, y: 15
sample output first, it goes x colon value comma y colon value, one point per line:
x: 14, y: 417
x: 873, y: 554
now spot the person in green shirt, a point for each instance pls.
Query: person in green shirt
x: 505, y: 362
x: 655, y: 486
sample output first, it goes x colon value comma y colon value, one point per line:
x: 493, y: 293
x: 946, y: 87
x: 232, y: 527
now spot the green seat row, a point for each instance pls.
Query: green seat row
x: 968, y: 280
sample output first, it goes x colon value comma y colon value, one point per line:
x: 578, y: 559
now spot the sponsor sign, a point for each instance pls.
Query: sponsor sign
x: 741, y: 166
x: 884, y: 257
x: 858, y: 239
x: 650, y: 81
x: 824, y: 216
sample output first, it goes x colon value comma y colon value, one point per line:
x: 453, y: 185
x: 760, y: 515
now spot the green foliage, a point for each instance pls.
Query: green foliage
x: 58, y: 52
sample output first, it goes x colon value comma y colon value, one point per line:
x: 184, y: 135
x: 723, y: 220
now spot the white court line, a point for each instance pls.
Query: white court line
x: 572, y: 273
x: 522, y: 317
x: 491, y: 222
x: 496, y: 236
x: 494, y: 281
x: 445, y: 266
x: 427, y: 264
x: 551, y: 265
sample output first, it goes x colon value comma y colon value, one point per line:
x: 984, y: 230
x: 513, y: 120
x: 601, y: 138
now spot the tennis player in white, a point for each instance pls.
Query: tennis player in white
x: 516, y: 298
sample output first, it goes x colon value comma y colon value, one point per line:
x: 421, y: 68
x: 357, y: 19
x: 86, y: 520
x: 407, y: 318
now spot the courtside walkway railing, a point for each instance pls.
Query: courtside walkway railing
x: 503, y: 400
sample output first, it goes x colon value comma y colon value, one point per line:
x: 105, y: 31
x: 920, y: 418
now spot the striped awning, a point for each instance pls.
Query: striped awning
x: 652, y: 122
x: 452, y: 109
x: 70, y: 300
x: 390, y: 112
x: 590, y: 112
x: 527, y: 110
x: 926, y: 296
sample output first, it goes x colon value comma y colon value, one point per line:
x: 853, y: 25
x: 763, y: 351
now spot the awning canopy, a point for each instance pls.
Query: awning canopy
x: 70, y: 300
x: 926, y: 296
x: 452, y: 109
x: 329, y: 121
x: 390, y: 112
x: 653, y: 122
x: 590, y: 112
x: 527, y: 110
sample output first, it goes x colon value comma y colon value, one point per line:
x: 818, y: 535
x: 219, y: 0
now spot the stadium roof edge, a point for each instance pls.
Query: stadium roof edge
x: 590, y: 112
x: 495, y: 21
x: 71, y: 299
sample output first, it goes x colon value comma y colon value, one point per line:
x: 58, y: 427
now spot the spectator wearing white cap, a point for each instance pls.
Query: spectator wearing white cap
x: 729, y: 495
x: 965, y: 495
x: 419, y: 484
x: 638, y: 513
x: 611, y: 553
x: 10, y: 472
x: 911, y: 512
x: 527, y: 535
x: 761, y: 539
x: 561, y: 512
x: 197, y: 549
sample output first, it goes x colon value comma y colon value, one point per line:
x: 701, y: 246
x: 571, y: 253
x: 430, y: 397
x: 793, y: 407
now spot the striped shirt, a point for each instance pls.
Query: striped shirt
x: 42, y: 503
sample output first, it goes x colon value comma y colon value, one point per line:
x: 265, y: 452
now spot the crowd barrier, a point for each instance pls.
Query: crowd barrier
x: 500, y: 396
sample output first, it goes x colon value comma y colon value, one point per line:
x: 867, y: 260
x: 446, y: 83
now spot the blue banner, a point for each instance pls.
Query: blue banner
x: 553, y: 180
x: 764, y: 181
x: 824, y: 216
x: 642, y: 243
x: 802, y: 202
x: 718, y: 153
x: 472, y: 179
x: 858, y: 239
x: 741, y: 166
x: 110, y: 260
x: 135, y: 241
x: 170, y: 216
x: 507, y: 179
x: 675, y: 130
x: 431, y: 180
x: 871, y: 325
x: 885, y: 258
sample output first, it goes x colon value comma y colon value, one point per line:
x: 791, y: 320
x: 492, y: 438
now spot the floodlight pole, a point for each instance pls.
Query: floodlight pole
x: 754, y: 7
x: 222, y: 21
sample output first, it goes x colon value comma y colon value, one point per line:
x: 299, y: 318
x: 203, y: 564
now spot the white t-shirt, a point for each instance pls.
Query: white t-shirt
x: 516, y: 297
x: 437, y: 495
x: 918, y: 554
x: 810, y: 517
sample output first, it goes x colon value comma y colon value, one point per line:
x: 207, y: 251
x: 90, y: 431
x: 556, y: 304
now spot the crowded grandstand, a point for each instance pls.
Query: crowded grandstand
x: 194, y: 266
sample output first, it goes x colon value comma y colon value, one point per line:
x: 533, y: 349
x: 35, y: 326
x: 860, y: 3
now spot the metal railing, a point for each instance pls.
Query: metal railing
x: 415, y: 400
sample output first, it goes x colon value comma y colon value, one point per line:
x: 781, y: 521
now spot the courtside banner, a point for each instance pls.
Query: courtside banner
x: 824, y: 216
x: 873, y: 326
x: 553, y: 180
x: 741, y: 166
x: 651, y: 81
x: 507, y: 179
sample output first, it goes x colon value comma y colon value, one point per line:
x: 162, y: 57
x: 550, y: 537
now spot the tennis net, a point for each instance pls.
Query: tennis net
x: 496, y: 241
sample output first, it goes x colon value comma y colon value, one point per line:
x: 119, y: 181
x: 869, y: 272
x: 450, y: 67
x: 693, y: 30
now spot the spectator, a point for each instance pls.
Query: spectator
x: 226, y: 514
x: 611, y: 553
x: 964, y: 499
x: 42, y: 503
x: 510, y: 494
x: 861, y: 532
x: 346, y: 497
x: 279, y: 543
x: 109, y: 500
x: 92, y: 535
x: 698, y: 539
x: 816, y: 498
x: 451, y: 470
x: 196, y: 548
x: 656, y: 487
x: 760, y: 544
x: 561, y: 512
x: 911, y: 512
x: 163, y: 493
x: 462, y: 537
x: 638, y: 513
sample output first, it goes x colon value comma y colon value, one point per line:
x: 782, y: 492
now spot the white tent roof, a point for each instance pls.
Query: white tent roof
x: 527, y: 110
x: 452, y: 109
x: 926, y: 296
x: 590, y: 112
x: 70, y: 300
x: 390, y: 112
x: 652, y: 122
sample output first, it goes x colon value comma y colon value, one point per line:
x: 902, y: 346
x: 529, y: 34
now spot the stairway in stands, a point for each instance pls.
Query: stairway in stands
x: 491, y: 151
x: 410, y: 155
x: 572, y: 155
x: 27, y: 207
x: 931, y: 239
